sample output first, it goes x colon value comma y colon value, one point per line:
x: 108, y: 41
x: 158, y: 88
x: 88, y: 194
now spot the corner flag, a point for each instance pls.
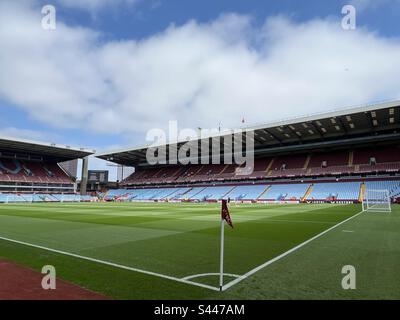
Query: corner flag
x: 225, y: 216
x: 225, y: 213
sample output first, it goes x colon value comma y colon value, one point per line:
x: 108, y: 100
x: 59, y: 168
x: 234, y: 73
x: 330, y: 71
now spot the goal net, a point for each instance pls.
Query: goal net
x: 376, y: 201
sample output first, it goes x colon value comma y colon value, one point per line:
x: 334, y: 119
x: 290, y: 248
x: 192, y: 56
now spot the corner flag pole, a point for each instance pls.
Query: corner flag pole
x: 225, y: 216
x: 221, y: 261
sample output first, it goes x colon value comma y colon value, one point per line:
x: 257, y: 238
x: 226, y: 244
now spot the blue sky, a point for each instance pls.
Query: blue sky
x: 112, y: 70
x: 146, y: 17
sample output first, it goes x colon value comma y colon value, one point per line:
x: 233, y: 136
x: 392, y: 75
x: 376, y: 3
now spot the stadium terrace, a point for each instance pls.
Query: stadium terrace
x: 321, y: 158
x: 37, y: 171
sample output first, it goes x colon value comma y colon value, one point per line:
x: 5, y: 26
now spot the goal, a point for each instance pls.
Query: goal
x: 376, y: 201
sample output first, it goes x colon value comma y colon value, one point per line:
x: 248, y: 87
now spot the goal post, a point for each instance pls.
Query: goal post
x: 376, y: 201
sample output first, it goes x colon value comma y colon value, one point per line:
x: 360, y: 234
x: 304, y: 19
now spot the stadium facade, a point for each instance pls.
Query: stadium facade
x: 331, y: 157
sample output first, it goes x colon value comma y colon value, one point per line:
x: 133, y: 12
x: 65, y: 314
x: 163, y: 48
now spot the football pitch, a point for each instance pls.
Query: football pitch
x: 171, y: 250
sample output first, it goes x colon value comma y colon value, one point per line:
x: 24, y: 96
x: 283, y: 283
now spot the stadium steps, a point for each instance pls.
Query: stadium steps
x: 351, y: 158
x: 178, y: 172
x: 362, y: 192
x: 156, y: 174
x: 24, y: 198
x: 264, y: 192
x: 65, y: 172
x: 198, y: 170
x: 168, y: 195
x: 177, y: 193
x: 190, y: 189
x: 308, y: 192
x: 54, y: 198
x: 307, y: 162
x: 201, y: 190
x: 270, y: 165
x: 224, y: 169
x: 230, y: 190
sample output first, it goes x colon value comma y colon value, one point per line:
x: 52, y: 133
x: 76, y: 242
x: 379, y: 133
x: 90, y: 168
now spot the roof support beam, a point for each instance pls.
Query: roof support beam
x: 370, y: 120
x: 273, y: 136
x: 295, y: 134
x: 342, y: 125
x: 317, y: 130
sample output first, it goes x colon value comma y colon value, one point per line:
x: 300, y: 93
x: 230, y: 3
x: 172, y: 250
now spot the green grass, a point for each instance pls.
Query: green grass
x: 183, y: 239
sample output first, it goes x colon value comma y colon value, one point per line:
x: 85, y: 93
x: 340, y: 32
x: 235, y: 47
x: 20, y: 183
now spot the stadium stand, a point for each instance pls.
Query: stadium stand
x: 212, y: 193
x: 393, y: 186
x: 303, y: 165
x: 190, y: 193
x: 30, y: 171
x: 283, y: 192
x: 322, y: 191
x: 246, y: 192
x: 34, y: 172
x: 329, y: 191
x: 44, y: 197
x: 326, y: 157
x: 335, y: 191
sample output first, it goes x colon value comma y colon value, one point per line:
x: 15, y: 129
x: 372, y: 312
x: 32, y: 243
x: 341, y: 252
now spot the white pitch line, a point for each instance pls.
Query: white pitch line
x: 116, y: 265
x: 267, y: 263
x: 210, y: 274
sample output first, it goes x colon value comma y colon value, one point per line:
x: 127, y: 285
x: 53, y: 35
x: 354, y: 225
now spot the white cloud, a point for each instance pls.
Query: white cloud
x: 199, y: 74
